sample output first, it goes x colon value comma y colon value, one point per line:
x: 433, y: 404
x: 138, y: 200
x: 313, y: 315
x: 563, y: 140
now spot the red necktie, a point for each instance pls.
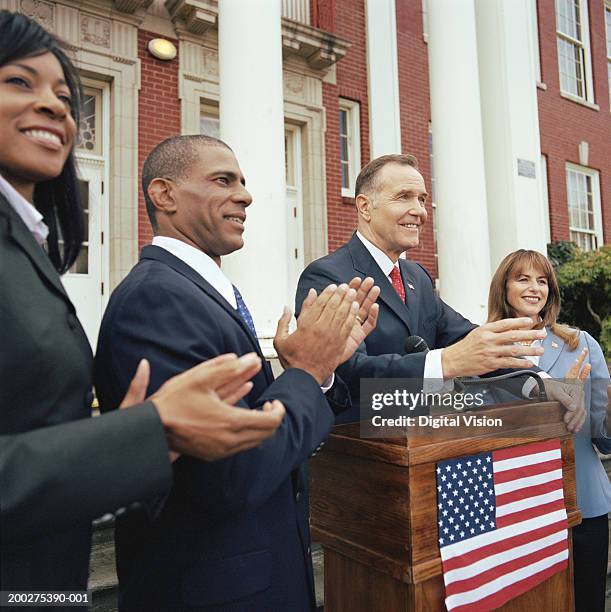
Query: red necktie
x: 397, y: 282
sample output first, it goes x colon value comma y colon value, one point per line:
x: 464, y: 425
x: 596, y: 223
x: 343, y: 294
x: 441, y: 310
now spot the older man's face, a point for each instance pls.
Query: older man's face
x: 398, y: 209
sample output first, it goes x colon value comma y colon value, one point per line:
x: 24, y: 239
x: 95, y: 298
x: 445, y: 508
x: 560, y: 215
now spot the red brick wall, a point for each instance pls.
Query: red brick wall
x: 158, y: 115
x: 349, y: 20
x: 412, y: 55
x: 348, y: 17
x: 564, y: 123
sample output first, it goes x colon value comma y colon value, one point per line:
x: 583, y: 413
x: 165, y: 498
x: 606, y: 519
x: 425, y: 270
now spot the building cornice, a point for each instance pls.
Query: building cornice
x: 318, y: 48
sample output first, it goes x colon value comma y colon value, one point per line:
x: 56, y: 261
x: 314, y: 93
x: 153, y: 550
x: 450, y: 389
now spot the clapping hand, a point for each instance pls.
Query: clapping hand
x: 197, y: 411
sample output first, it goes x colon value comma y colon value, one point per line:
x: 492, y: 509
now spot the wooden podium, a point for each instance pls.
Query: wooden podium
x: 373, y: 509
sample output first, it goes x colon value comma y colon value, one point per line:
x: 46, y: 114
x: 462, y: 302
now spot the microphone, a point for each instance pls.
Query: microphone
x: 478, y: 381
x: 415, y: 344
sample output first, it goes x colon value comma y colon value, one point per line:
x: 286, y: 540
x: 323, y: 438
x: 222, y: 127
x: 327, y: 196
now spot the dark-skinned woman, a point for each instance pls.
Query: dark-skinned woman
x: 59, y: 469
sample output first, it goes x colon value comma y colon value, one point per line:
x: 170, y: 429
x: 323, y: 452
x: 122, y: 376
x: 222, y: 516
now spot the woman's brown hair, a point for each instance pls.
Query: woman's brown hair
x: 499, y: 307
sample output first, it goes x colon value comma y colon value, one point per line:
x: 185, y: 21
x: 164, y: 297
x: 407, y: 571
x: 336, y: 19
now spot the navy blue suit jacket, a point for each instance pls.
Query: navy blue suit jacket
x: 233, y: 534
x: 424, y: 314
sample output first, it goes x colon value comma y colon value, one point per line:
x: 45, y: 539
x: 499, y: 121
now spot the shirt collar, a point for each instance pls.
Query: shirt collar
x: 385, y: 263
x: 26, y: 211
x: 203, y: 264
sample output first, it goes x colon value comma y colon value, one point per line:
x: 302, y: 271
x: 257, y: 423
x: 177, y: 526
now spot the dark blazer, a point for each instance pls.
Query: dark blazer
x: 383, y: 353
x: 58, y: 469
x: 233, y: 534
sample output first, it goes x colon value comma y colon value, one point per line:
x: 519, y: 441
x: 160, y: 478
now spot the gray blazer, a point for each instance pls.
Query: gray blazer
x: 593, y: 486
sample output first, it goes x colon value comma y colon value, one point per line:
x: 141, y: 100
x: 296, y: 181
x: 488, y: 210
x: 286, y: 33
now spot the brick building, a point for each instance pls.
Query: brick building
x: 506, y: 105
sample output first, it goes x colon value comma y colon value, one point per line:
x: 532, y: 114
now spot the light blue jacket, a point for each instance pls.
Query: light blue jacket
x: 593, y: 486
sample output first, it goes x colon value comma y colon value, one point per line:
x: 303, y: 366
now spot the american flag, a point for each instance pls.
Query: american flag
x: 502, y: 523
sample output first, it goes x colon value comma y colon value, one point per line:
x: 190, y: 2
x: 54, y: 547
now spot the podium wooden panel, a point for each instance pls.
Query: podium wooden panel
x: 373, y: 509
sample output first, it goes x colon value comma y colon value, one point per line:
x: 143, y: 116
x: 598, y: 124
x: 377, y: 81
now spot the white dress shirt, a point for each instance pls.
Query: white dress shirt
x: 432, y: 364
x: 27, y: 211
x: 206, y: 267
x: 203, y: 264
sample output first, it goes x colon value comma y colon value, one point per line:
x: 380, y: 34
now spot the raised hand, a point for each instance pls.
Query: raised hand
x: 323, y: 328
x: 366, y: 295
x: 576, y: 371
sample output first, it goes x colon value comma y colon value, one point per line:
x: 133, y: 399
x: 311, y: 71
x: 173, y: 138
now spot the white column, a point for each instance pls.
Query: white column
x: 462, y: 220
x: 508, y: 76
x: 383, y: 73
x: 252, y: 124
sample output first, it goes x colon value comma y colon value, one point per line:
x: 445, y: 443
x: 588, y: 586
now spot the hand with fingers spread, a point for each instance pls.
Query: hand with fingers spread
x: 366, y: 295
x: 494, y: 346
x: 196, y: 407
x: 323, y: 329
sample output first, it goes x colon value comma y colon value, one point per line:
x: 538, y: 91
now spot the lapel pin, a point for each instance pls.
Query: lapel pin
x: 554, y: 345
x: 411, y: 286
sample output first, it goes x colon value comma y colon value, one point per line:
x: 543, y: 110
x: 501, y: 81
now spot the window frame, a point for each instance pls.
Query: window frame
x: 594, y: 175
x: 607, y: 8
x: 585, y: 50
x: 209, y: 109
x: 353, y: 125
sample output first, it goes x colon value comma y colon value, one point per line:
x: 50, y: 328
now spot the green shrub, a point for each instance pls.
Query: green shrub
x: 585, y: 284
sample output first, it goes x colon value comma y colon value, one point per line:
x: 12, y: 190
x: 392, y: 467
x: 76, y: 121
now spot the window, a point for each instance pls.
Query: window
x: 90, y: 130
x: 583, y: 195
x: 545, y: 199
x: 534, y: 25
x: 608, y: 22
x: 573, y: 39
x: 349, y: 145
x: 209, y: 123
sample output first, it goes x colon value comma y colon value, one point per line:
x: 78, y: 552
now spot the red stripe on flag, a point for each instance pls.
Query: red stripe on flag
x: 527, y: 470
x: 520, y: 494
x: 521, y: 451
x: 529, y: 513
x: 491, y: 574
x: 513, y: 590
x: 497, y: 547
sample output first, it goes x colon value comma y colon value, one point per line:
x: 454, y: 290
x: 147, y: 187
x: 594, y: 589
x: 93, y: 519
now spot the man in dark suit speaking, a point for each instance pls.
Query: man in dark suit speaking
x: 390, y: 201
x: 233, y: 534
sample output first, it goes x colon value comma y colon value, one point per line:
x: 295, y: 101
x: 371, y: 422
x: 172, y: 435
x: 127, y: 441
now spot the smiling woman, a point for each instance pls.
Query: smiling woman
x: 525, y: 285
x: 40, y: 100
x: 59, y: 469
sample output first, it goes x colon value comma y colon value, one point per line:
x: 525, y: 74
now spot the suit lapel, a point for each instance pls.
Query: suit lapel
x: 20, y: 234
x: 366, y: 265
x: 159, y: 254
x: 553, y: 347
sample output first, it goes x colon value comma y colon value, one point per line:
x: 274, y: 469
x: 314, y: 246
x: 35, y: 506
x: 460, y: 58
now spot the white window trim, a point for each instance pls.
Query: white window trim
x: 534, y: 28
x: 607, y: 7
x: 584, y: 19
x: 354, y: 143
x: 545, y: 197
x: 598, y: 222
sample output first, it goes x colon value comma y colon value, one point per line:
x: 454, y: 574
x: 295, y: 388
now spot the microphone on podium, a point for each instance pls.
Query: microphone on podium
x: 416, y: 344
